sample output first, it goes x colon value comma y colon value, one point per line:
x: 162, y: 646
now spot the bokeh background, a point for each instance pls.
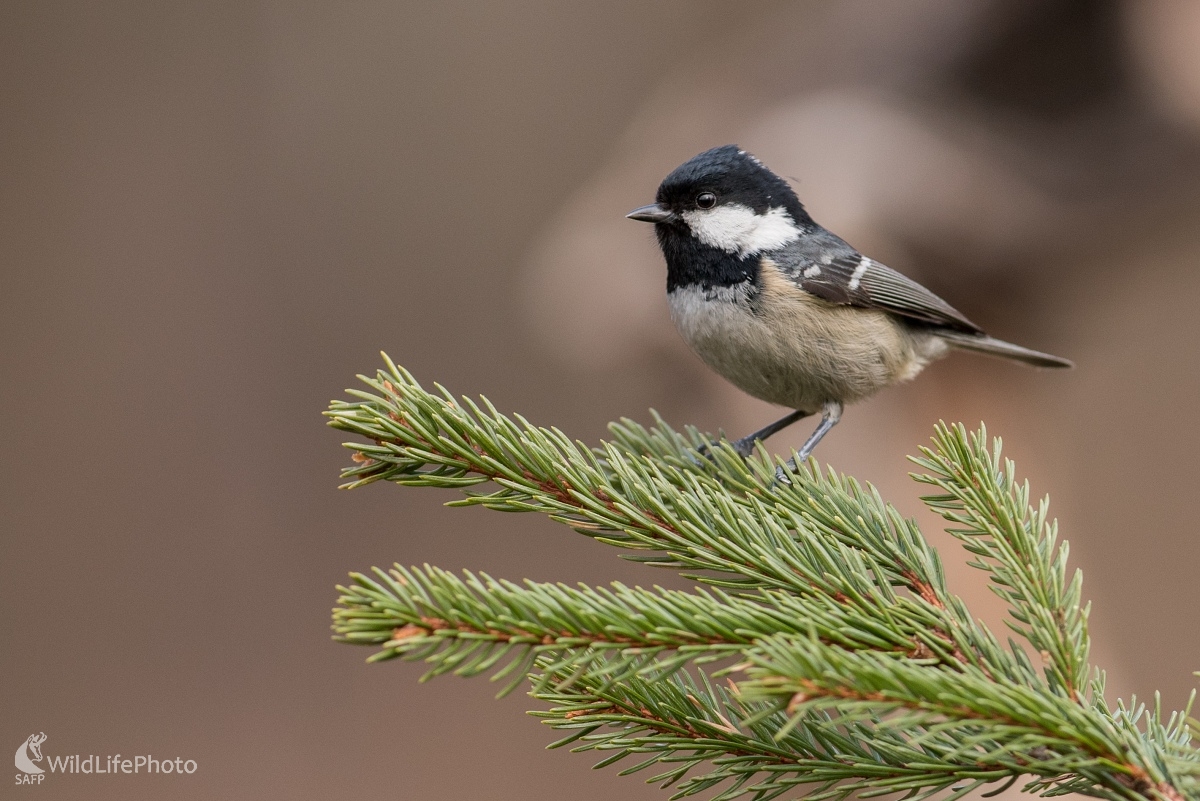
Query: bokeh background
x: 213, y: 215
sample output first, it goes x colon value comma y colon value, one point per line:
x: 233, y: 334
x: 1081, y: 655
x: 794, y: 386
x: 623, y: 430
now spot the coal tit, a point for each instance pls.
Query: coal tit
x: 787, y: 311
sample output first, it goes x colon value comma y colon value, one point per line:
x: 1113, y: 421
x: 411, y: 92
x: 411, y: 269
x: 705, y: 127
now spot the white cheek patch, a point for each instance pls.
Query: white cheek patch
x: 735, y: 228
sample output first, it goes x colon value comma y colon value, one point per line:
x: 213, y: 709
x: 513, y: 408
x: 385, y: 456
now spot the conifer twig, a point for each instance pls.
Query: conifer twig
x: 850, y: 667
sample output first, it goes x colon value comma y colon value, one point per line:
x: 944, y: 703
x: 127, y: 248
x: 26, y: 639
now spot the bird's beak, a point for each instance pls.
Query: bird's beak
x: 653, y: 213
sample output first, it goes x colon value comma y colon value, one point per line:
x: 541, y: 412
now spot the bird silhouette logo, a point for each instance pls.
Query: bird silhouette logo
x: 31, y: 747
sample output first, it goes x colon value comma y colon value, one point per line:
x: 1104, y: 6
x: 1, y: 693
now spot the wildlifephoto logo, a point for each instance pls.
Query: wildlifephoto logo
x: 29, y: 753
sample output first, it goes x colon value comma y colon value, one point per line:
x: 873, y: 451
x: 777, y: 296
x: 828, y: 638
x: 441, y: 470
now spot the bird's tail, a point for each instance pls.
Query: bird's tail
x: 981, y: 343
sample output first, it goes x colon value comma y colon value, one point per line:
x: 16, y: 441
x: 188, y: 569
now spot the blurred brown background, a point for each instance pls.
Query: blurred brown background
x: 212, y: 217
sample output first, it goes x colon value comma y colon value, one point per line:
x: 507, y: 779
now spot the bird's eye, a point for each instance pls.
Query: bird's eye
x: 706, y: 200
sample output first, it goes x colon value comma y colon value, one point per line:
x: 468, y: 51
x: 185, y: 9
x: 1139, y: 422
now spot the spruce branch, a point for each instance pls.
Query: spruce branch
x: 995, y: 723
x: 472, y: 624
x: 859, y: 672
x: 621, y: 494
x: 686, y: 722
x: 1017, y: 545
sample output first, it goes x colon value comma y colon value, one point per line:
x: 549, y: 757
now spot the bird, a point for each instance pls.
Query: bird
x: 784, y: 309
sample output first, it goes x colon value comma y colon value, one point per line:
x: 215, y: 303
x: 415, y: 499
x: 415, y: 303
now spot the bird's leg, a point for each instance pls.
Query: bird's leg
x: 831, y: 413
x: 745, y: 445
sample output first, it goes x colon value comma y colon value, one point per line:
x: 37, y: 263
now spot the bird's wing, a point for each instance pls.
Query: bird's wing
x: 851, y: 279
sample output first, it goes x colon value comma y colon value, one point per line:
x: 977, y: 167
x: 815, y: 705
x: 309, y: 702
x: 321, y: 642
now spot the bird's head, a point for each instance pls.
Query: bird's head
x: 725, y: 199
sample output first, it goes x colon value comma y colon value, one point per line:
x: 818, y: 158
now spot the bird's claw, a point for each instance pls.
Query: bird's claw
x: 742, y: 447
x: 781, y: 472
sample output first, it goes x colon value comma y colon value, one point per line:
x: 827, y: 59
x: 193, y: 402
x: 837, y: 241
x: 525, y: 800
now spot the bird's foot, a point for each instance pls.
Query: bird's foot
x: 743, y: 447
